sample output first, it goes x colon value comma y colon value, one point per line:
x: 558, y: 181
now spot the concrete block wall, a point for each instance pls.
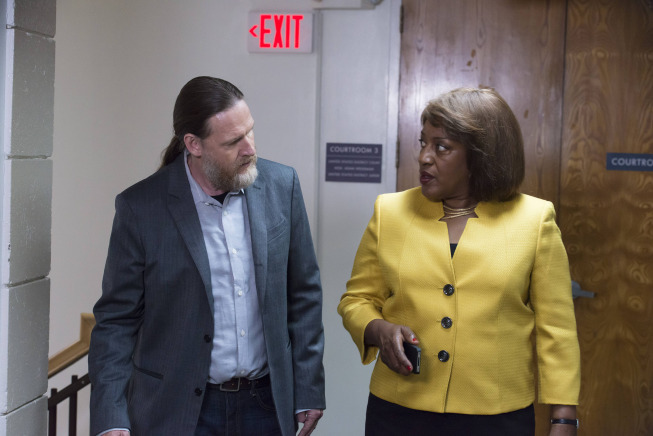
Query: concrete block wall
x: 27, y: 62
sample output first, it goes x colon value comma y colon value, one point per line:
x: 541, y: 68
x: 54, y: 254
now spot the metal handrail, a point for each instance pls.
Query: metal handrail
x: 67, y: 393
x: 61, y: 361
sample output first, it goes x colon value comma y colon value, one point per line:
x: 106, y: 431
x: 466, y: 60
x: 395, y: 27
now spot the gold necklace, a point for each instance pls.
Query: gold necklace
x: 451, y: 212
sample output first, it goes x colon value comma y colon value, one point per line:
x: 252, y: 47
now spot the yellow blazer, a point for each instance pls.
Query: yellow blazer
x: 510, y: 278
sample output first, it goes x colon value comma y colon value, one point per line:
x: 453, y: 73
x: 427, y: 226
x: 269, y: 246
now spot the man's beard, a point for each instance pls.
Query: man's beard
x: 229, y: 179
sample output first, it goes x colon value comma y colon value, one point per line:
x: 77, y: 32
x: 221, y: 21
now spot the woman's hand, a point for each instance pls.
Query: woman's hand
x: 563, y: 411
x: 390, y: 339
x: 562, y: 430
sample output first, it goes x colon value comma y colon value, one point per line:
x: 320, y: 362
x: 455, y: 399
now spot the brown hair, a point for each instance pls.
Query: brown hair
x: 484, y: 123
x: 199, y: 99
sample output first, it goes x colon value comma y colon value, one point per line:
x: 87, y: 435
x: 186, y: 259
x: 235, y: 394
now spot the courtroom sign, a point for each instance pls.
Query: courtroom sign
x: 285, y: 32
x: 353, y: 162
x: 629, y: 162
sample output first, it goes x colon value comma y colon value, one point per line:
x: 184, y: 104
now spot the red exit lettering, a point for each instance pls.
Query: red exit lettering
x: 281, y: 27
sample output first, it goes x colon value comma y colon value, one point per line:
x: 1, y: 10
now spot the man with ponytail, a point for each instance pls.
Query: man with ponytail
x: 210, y: 319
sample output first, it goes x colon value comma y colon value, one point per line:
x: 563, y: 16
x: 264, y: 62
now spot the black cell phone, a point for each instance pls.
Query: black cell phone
x: 414, y: 354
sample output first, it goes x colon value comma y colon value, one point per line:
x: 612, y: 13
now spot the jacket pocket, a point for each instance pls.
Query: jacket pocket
x: 150, y: 373
x: 277, y: 230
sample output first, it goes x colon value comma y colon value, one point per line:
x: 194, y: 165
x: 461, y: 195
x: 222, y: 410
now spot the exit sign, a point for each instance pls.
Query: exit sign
x: 285, y: 32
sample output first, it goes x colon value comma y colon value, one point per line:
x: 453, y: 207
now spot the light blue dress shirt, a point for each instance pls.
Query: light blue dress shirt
x: 238, y: 341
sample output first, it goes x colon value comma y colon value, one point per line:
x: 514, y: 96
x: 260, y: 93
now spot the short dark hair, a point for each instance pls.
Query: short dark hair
x: 199, y: 99
x: 484, y: 123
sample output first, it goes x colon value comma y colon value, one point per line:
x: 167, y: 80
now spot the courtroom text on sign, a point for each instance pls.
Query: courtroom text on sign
x: 353, y: 162
x: 629, y: 162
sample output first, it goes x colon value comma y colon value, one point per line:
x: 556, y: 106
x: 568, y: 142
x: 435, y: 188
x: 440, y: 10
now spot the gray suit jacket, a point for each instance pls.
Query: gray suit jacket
x: 151, y: 346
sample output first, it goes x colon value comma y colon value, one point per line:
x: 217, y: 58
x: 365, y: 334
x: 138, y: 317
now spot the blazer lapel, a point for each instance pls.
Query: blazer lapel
x: 182, y: 208
x: 255, y: 198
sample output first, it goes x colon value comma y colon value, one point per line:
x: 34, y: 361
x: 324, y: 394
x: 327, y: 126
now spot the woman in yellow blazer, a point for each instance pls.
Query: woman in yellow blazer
x: 470, y: 271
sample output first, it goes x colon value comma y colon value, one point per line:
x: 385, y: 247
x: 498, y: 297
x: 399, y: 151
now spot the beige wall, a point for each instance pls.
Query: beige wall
x: 26, y: 169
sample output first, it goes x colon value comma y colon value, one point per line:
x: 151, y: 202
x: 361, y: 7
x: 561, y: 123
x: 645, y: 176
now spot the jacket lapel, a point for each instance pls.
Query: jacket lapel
x: 256, y: 207
x: 183, y: 211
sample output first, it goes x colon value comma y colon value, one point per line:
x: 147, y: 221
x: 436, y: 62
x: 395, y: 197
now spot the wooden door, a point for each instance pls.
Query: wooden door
x: 606, y: 217
x: 571, y: 115
x: 513, y: 46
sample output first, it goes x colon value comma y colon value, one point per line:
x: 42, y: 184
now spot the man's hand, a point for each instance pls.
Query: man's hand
x: 390, y: 339
x: 310, y: 419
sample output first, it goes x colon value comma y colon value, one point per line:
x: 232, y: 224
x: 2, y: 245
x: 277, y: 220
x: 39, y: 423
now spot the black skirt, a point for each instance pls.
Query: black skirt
x: 388, y: 419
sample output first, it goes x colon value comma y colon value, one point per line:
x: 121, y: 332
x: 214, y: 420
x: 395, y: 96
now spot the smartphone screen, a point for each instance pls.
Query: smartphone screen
x: 414, y: 355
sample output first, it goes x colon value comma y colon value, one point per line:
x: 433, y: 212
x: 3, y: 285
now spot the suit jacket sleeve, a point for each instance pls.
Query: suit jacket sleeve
x: 557, y: 347
x: 118, y: 318
x: 366, y: 289
x: 305, y: 309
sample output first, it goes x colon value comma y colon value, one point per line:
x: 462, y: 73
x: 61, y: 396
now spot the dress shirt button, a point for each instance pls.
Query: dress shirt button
x: 225, y: 213
x: 207, y: 338
x: 448, y: 290
x: 198, y: 391
x: 242, y: 333
x: 446, y: 322
x: 234, y: 251
x: 443, y: 356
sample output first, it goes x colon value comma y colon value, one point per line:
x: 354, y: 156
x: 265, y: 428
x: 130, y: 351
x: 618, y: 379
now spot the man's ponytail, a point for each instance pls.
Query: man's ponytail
x: 174, y: 149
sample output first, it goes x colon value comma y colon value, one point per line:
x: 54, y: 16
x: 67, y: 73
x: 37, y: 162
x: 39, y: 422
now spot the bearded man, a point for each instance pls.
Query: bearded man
x: 210, y: 319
